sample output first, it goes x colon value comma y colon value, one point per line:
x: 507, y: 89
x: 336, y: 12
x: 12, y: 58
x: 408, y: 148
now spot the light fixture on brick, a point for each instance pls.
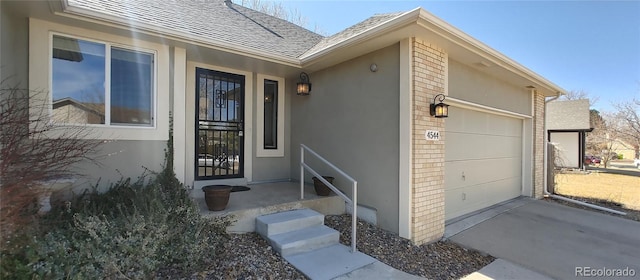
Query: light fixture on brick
x: 439, y: 110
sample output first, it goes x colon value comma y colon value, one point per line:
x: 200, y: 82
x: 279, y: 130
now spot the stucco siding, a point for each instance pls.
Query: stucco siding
x: 568, y: 147
x: 14, y: 40
x: 274, y: 168
x: 120, y: 159
x: 474, y: 86
x: 351, y: 118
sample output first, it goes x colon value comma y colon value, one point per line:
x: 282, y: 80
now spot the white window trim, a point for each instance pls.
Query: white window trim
x: 260, y: 150
x: 107, y: 87
x: 40, y: 67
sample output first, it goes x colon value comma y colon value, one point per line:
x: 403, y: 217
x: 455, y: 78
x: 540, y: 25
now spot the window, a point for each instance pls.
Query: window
x: 83, y: 93
x: 270, y: 114
x: 270, y: 117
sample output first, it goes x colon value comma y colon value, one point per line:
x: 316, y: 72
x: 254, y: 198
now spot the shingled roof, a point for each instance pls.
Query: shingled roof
x: 353, y: 31
x: 568, y: 115
x: 217, y: 21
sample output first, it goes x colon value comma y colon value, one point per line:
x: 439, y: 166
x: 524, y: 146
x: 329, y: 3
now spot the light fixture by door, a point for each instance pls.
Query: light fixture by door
x: 304, y: 85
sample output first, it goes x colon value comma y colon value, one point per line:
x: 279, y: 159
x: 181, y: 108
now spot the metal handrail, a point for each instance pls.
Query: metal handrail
x: 354, y: 184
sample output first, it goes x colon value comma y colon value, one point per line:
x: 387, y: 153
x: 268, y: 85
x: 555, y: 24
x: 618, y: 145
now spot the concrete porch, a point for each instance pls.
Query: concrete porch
x: 270, y: 198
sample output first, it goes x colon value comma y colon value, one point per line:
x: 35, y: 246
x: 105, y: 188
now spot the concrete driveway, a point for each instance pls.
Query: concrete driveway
x: 558, y: 241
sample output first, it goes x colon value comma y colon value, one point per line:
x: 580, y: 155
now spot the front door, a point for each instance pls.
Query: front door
x: 219, y: 125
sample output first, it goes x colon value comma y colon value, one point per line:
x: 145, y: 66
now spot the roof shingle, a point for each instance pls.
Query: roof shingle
x: 568, y: 115
x: 214, y: 20
x: 353, y: 31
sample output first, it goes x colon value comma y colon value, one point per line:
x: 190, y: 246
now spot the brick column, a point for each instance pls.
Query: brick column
x: 429, y: 79
x: 538, y: 145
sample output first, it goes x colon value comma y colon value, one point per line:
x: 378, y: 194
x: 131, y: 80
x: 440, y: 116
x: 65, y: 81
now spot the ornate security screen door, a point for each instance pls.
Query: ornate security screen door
x: 220, y: 123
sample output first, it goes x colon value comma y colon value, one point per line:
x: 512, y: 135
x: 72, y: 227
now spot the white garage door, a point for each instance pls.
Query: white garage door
x: 483, y: 160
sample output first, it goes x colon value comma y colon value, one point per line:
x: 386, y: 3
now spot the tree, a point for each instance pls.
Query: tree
x: 278, y: 10
x: 627, y: 120
x: 594, y: 118
x: 580, y: 94
x: 275, y: 9
x: 600, y: 141
x: 33, y: 150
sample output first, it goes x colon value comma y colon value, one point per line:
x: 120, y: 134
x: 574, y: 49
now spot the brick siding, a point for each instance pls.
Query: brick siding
x: 538, y: 145
x: 429, y: 78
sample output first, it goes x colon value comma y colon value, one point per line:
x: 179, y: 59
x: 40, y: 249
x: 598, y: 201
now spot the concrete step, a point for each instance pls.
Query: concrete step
x: 304, y: 240
x: 282, y: 222
x: 331, y: 262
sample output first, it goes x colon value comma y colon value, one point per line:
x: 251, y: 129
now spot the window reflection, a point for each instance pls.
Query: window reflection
x: 78, y: 81
x: 270, y: 114
x: 79, y: 78
x: 131, y: 86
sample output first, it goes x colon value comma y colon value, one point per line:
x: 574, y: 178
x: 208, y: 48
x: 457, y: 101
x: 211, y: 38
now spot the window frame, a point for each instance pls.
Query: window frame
x: 39, y: 70
x: 274, y: 117
x: 107, y: 83
x: 261, y: 151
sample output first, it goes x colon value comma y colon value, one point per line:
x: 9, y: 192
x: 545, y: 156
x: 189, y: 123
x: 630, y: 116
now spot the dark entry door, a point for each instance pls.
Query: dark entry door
x: 220, y: 124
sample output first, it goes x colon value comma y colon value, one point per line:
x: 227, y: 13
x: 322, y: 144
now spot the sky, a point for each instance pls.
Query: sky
x: 590, y: 46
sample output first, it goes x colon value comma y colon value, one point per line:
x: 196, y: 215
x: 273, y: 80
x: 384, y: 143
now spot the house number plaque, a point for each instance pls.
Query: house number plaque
x: 432, y: 135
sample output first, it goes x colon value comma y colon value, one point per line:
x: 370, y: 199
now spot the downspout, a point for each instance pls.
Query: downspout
x: 545, y: 171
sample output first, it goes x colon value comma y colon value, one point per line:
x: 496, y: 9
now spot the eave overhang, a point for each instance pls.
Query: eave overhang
x: 66, y: 10
x: 424, y: 25
x: 415, y: 23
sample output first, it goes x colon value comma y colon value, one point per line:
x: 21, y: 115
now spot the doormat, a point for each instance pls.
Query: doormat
x: 239, y: 189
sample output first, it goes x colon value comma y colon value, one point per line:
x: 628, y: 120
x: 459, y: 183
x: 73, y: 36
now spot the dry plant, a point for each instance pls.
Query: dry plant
x: 555, y: 164
x: 33, y: 150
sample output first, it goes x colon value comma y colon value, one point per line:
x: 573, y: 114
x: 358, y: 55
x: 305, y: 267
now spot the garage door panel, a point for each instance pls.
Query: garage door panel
x: 461, y: 174
x: 465, y: 200
x: 487, y: 149
x: 480, y: 146
x: 474, y: 122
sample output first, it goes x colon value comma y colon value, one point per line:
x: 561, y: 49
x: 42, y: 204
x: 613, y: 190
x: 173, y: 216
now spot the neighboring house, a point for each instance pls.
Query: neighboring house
x: 69, y: 110
x: 624, y: 149
x: 567, y: 124
x: 229, y: 75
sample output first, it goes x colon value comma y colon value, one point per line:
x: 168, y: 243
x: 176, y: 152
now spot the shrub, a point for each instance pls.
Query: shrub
x: 132, y: 231
x: 32, y: 150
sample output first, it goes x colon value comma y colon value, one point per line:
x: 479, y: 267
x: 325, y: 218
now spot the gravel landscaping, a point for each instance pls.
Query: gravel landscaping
x: 438, y: 260
x: 248, y: 256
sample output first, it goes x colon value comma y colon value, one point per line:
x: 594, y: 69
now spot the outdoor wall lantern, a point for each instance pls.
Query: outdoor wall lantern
x: 439, y: 110
x: 304, y: 86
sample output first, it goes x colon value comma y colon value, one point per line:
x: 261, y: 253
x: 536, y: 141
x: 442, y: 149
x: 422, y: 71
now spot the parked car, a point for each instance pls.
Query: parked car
x: 221, y: 161
x: 596, y: 160
x: 588, y: 160
x: 636, y: 162
x: 205, y: 160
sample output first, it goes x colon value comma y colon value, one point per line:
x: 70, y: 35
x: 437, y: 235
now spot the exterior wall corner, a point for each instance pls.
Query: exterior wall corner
x: 429, y: 70
x: 538, y: 145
